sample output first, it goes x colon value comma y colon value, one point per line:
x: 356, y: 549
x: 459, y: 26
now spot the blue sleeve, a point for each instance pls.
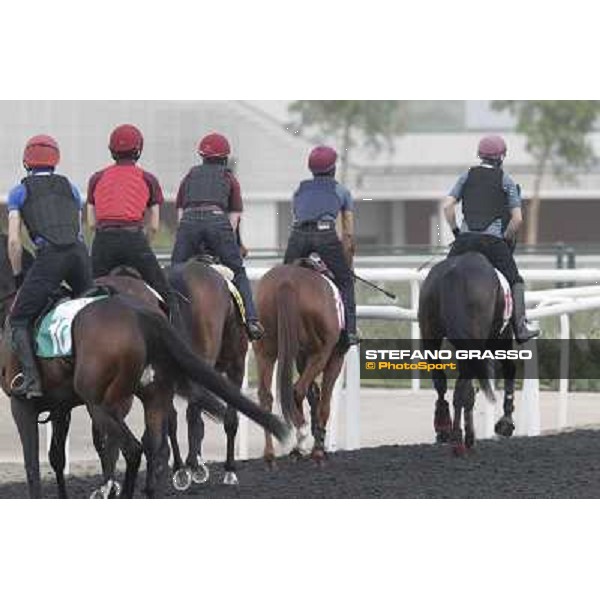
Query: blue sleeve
x: 512, y: 192
x: 457, y: 189
x: 16, y: 197
x: 80, y: 201
x: 345, y: 197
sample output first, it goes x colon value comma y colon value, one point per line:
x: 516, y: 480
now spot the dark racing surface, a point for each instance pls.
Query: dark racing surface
x: 565, y: 465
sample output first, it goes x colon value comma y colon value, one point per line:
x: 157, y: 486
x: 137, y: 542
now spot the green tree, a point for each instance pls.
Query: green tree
x: 373, y: 123
x: 556, y: 133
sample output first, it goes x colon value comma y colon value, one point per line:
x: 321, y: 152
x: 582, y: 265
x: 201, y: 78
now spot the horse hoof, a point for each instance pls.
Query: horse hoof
x: 230, y: 478
x: 182, y: 479
x: 459, y: 450
x: 296, y: 454
x: 200, y: 474
x: 318, y: 457
x: 504, y: 428
x: 111, y: 489
x: 442, y: 437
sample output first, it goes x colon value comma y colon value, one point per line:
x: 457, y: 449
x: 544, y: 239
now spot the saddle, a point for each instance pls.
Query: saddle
x: 314, y: 262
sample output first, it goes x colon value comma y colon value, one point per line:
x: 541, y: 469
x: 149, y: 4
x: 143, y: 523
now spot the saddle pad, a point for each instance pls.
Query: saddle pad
x: 508, y: 301
x: 237, y: 298
x: 339, y: 305
x: 224, y: 271
x: 53, y: 337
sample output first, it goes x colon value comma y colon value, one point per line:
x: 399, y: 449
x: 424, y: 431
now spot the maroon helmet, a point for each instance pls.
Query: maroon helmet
x: 125, y: 139
x: 41, y: 151
x: 492, y: 147
x: 322, y: 160
x: 214, y: 145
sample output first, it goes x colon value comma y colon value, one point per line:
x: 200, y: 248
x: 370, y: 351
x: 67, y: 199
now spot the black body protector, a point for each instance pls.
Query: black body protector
x: 483, y: 197
x: 207, y: 184
x: 50, y: 209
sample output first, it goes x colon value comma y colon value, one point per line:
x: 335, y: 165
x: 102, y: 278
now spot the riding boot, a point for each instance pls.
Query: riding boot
x: 31, y: 386
x: 348, y: 336
x: 254, y: 327
x: 519, y: 320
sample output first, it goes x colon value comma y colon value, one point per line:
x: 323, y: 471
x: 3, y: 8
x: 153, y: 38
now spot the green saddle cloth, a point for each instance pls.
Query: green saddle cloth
x: 53, y: 337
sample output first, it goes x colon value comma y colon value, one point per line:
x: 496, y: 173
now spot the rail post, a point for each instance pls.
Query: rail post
x: 415, y: 332
x: 563, y: 387
x: 352, y: 399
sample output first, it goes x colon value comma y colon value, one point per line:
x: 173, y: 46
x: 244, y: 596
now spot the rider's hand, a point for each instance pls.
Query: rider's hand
x: 18, y: 279
x: 243, y: 251
x: 349, y: 249
x: 456, y: 232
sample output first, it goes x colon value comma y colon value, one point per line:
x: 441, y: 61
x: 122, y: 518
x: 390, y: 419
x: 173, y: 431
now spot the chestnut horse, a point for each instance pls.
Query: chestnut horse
x: 216, y: 333
x: 298, y: 310
x: 115, y: 340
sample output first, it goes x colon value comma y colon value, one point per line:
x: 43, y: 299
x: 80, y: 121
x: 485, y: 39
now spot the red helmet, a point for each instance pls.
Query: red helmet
x: 41, y: 151
x: 491, y: 146
x: 126, y: 138
x: 214, y: 145
x: 322, y: 159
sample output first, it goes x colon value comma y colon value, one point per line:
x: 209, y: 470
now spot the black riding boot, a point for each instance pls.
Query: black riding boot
x: 519, y: 321
x: 31, y: 386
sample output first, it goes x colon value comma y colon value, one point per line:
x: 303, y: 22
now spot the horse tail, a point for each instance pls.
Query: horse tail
x: 287, y: 346
x: 455, y: 317
x: 164, y: 345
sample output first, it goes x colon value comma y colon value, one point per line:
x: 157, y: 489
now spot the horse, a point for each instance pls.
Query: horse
x: 216, y: 333
x: 462, y: 300
x: 298, y: 310
x: 120, y: 337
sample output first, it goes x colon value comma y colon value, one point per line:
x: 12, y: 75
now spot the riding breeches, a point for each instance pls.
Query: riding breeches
x: 51, y: 266
x: 496, y: 250
x: 328, y: 246
x: 209, y: 231
x: 118, y: 247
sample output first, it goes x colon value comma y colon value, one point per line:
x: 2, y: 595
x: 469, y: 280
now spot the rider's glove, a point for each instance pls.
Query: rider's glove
x: 456, y: 232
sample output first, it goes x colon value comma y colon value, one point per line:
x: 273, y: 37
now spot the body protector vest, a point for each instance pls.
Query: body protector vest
x: 50, y: 210
x: 121, y: 194
x: 483, y: 197
x: 207, y: 184
x: 315, y: 199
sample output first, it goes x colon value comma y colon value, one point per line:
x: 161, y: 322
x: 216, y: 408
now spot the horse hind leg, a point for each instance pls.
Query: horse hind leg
x: 330, y: 374
x: 505, y: 425
x: 230, y: 423
x: 458, y: 446
x: 108, y: 451
x: 113, y: 426
x: 156, y: 448
x: 195, y: 424
x: 266, y: 367
x: 25, y: 416
x: 57, y: 455
x: 468, y: 405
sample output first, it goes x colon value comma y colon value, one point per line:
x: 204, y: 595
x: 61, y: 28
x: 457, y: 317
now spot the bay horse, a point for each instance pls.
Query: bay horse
x: 115, y: 340
x: 216, y: 333
x: 298, y: 310
x: 462, y: 300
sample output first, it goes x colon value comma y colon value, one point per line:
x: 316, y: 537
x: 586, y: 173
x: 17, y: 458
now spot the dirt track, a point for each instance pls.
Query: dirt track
x: 551, y: 466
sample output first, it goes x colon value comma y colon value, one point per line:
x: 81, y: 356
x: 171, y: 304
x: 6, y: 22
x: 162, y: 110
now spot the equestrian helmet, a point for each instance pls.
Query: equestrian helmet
x: 322, y: 160
x: 214, y: 145
x: 41, y: 151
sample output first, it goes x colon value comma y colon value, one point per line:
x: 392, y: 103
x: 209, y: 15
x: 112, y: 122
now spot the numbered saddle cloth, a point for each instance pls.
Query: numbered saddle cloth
x: 53, y: 337
x: 508, y: 300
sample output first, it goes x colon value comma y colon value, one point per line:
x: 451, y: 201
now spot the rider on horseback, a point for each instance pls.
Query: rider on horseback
x: 491, y: 204
x: 118, y: 197
x: 317, y: 203
x: 209, y: 206
x: 50, y: 207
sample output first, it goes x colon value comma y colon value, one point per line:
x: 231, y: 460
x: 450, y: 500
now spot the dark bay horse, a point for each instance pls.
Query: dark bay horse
x: 298, y: 310
x: 216, y: 333
x: 462, y: 300
x: 115, y: 341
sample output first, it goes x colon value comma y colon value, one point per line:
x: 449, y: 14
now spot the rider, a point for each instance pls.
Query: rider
x: 487, y: 194
x: 118, y: 197
x: 209, y: 206
x: 317, y: 203
x: 50, y: 207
